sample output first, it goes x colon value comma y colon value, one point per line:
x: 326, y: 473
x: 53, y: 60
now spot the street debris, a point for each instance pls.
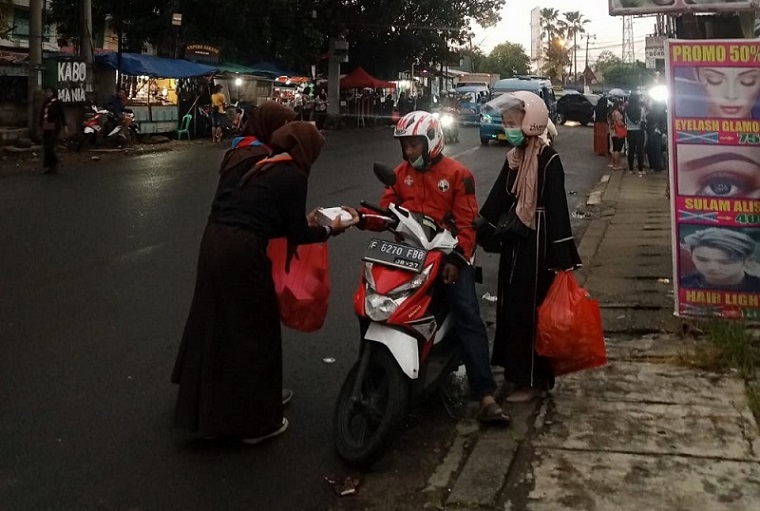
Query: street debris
x: 579, y: 215
x: 572, y: 192
x: 95, y: 158
x: 490, y: 298
x: 343, y: 488
x: 328, y: 360
x: 663, y: 281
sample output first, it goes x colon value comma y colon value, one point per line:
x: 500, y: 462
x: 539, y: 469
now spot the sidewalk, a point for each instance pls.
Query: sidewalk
x: 641, y: 433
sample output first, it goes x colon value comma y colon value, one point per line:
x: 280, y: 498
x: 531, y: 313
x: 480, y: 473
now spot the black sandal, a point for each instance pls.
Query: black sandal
x: 492, y: 413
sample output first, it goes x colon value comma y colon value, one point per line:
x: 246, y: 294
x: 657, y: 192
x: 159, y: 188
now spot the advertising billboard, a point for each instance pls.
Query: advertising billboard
x: 714, y: 137
x: 630, y: 7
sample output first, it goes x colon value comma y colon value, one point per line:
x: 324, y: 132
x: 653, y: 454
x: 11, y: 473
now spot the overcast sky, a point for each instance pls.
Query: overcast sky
x: 515, y: 27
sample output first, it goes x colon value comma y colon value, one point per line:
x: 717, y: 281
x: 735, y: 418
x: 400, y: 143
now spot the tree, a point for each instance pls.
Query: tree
x: 5, y: 26
x: 557, y: 59
x: 550, y: 24
x: 607, y: 59
x: 573, y: 25
x: 628, y: 76
x: 555, y: 52
x: 385, y: 36
x: 507, y: 59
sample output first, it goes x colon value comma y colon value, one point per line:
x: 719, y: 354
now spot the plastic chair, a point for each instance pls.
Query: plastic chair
x: 184, y: 127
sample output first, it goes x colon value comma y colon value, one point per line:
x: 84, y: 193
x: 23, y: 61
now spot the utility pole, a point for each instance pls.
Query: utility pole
x: 85, y: 45
x: 120, y: 39
x: 35, y: 61
x: 588, y: 37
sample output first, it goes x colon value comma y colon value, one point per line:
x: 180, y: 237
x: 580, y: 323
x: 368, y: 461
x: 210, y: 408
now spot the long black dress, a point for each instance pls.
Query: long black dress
x: 229, y: 365
x: 526, y: 269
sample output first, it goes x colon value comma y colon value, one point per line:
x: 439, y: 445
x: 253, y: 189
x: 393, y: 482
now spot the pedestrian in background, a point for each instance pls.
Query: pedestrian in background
x: 618, y: 133
x: 657, y: 124
x: 530, y: 229
x: 218, y: 113
x: 52, y: 120
x: 307, y: 110
x: 601, y: 133
x: 634, y: 121
x: 229, y: 365
x: 320, y: 109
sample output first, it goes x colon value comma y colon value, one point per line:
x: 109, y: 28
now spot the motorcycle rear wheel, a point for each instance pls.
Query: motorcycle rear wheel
x: 364, y: 429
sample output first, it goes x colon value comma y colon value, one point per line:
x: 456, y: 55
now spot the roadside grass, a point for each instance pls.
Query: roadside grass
x: 729, y: 346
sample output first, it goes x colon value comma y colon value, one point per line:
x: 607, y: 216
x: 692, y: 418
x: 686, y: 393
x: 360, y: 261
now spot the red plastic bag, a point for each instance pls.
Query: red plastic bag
x: 570, y: 327
x: 303, y: 292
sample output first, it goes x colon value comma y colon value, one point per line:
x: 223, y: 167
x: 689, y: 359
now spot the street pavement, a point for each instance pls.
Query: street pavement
x: 98, y: 268
x: 643, y: 433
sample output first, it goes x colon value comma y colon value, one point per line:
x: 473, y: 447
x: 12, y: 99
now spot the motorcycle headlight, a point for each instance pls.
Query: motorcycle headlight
x: 447, y: 121
x: 381, y: 307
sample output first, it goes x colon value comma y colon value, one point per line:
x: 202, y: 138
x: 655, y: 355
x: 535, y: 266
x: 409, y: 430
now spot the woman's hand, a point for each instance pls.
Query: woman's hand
x: 338, y: 226
x: 311, y: 217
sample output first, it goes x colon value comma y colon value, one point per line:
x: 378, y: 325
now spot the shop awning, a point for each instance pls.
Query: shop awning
x: 273, y: 70
x: 360, y: 79
x: 229, y: 67
x: 136, y: 64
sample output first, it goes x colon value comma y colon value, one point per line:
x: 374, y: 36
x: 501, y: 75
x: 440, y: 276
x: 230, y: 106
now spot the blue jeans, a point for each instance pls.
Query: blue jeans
x: 469, y: 328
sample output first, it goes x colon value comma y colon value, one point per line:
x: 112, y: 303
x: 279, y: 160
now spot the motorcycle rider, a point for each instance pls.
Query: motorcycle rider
x: 430, y: 183
x: 117, y: 105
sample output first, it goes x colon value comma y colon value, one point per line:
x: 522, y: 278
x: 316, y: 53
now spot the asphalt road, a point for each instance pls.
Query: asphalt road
x: 98, y: 268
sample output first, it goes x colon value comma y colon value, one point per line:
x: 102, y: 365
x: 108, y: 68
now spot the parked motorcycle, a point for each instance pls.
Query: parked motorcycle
x: 102, y: 127
x: 407, y: 343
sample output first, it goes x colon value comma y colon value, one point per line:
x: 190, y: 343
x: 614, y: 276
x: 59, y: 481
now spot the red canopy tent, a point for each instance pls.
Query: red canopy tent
x: 360, y: 79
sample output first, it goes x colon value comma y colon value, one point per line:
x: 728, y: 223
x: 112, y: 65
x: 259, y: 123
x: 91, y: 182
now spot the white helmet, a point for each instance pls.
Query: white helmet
x: 422, y: 124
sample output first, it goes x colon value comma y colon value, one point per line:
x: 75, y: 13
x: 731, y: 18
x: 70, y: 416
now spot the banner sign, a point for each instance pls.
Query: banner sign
x: 71, y: 76
x: 202, y: 53
x: 714, y: 136
x: 628, y: 7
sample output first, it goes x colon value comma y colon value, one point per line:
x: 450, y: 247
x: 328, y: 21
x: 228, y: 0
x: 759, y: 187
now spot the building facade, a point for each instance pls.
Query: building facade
x: 536, y: 41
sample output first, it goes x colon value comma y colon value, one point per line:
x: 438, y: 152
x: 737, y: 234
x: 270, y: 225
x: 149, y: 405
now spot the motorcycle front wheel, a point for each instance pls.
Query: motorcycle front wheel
x: 364, y: 426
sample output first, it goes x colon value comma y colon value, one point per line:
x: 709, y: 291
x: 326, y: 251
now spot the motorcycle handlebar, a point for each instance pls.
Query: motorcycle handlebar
x: 375, y: 208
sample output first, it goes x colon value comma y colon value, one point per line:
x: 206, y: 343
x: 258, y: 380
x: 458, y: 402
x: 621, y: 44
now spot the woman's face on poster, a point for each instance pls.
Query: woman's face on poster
x: 718, y: 266
x: 731, y: 92
x: 719, y: 171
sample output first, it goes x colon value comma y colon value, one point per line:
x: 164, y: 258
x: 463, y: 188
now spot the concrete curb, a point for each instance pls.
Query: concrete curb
x: 606, y: 194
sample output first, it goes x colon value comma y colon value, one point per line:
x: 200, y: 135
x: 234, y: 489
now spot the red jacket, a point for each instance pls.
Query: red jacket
x: 445, y: 189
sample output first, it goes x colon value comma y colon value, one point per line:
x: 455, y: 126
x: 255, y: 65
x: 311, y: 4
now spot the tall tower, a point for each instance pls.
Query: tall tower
x: 629, y: 53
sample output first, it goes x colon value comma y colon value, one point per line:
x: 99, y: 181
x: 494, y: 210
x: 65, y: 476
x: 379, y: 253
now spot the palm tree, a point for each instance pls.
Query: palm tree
x: 550, y: 23
x: 573, y: 25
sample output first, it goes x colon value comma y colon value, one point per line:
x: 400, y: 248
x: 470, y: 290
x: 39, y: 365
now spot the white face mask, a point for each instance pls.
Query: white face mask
x: 418, y: 164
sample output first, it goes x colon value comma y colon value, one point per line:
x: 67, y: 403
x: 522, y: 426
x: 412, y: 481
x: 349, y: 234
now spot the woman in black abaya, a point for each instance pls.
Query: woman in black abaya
x: 530, y: 228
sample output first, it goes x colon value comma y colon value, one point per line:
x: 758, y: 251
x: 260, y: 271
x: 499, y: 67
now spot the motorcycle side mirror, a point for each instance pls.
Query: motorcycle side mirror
x: 384, y: 173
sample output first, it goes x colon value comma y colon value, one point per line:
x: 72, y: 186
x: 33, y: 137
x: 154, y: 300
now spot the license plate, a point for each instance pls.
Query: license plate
x: 501, y: 136
x: 395, y: 255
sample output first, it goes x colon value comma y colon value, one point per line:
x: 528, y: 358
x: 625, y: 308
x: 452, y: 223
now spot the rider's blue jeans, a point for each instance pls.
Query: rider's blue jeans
x: 471, y: 331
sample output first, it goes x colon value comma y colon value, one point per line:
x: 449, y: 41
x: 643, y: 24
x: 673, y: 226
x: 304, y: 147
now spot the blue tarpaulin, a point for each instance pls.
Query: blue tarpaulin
x: 136, y: 64
x: 273, y: 70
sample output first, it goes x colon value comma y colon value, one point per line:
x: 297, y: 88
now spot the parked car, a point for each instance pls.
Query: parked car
x: 577, y: 107
x: 492, y: 129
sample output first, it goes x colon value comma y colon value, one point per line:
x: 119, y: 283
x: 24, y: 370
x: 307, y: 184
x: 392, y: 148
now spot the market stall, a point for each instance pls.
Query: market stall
x: 369, y: 97
x: 154, y: 85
